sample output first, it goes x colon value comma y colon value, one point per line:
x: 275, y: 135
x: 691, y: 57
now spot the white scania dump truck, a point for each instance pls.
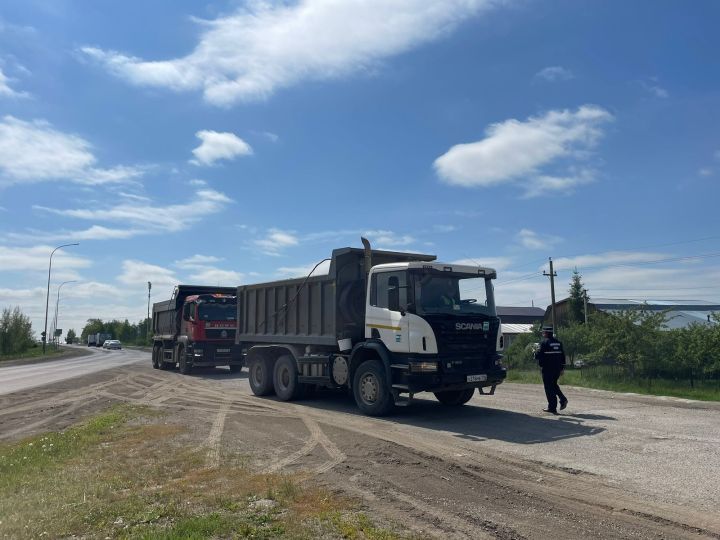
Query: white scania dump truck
x: 383, y: 325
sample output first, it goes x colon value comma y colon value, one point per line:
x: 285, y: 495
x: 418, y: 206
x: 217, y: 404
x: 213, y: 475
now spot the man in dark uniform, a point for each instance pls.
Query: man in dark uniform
x: 551, y: 358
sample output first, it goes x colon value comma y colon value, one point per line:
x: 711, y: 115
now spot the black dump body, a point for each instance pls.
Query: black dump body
x: 166, y: 319
x: 320, y: 312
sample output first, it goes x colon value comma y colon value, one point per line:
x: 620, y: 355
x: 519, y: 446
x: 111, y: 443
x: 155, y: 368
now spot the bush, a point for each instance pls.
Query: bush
x: 16, y: 335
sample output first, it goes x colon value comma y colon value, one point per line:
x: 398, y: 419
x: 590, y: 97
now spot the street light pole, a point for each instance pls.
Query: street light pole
x: 57, y: 304
x: 47, y: 296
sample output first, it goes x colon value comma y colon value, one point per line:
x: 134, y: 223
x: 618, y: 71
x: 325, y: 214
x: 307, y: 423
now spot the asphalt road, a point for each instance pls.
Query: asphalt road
x: 22, y: 377
x: 615, y: 465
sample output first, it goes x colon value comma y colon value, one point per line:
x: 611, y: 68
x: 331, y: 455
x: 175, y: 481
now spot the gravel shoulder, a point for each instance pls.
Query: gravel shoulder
x: 614, y: 466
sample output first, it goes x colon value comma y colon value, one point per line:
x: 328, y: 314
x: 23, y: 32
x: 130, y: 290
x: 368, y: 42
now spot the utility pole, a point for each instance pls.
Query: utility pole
x: 585, y: 302
x: 552, y: 275
x: 147, y: 321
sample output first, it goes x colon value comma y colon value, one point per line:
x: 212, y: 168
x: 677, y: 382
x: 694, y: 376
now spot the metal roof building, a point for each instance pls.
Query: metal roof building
x: 680, y: 313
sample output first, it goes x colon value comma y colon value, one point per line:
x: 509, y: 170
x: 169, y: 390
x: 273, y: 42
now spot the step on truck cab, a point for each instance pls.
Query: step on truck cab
x: 383, y: 325
x: 196, y: 328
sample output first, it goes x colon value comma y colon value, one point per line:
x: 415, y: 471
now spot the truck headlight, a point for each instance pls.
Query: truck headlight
x: 423, y: 367
x: 198, y: 352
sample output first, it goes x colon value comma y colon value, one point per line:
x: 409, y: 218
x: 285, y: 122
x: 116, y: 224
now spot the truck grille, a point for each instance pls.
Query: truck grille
x: 467, y: 350
x: 216, y: 333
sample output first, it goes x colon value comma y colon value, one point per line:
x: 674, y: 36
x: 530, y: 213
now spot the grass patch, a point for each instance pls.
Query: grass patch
x: 127, y: 474
x: 703, y: 390
x: 35, y: 352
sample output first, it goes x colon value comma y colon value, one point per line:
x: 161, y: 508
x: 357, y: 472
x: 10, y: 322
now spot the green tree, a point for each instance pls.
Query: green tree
x: 575, y: 339
x: 16, y: 335
x: 70, y: 336
x: 576, y: 301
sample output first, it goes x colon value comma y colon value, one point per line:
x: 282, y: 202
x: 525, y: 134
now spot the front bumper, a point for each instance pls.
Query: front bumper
x: 210, y: 354
x: 443, y: 380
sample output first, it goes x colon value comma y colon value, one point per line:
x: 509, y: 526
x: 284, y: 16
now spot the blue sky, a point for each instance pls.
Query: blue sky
x: 232, y: 142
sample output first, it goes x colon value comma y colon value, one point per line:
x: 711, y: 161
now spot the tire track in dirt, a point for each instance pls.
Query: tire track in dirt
x: 212, y: 443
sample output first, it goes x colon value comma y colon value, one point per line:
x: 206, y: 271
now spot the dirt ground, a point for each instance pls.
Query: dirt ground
x: 431, y: 483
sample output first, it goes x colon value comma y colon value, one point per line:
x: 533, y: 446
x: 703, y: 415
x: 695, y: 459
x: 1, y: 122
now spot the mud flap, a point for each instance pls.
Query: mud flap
x: 490, y: 393
x: 401, y: 401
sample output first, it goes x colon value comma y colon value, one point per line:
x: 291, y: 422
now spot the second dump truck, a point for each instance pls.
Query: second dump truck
x: 382, y: 325
x: 195, y: 328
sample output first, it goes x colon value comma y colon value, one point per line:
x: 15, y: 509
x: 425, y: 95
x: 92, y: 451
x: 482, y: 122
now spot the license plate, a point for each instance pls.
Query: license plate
x: 476, y: 378
x: 223, y: 350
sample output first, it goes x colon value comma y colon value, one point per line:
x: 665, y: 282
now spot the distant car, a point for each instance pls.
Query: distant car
x: 112, y: 344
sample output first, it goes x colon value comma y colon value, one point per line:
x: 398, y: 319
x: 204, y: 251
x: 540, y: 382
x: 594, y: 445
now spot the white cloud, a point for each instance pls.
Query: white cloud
x: 6, y: 90
x: 513, y: 150
x: 145, y: 219
x: 608, y: 258
x: 197, y: 183
x: 545, y: 184
x: 134, y: 197
x: 705, y: 171
x: 216, y: 146
x: 138, y: 273
x: 266, y: 46
x: 302, y: 271
x: 555, y: 73
x: 217, y: 276
x: 275, y: 240
x: 655, y: 89
x: 532, y: 240
x: 20, y: 259
x: 381, y: 239
x: 35, y: 152
x: 197, y: 260
x: 272, y: 137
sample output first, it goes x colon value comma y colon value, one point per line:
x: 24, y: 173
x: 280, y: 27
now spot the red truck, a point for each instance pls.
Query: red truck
x: 196, y: 328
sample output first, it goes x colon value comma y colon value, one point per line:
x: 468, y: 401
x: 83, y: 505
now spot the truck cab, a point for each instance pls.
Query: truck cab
x: 439, y: 323
x: 196, y: 328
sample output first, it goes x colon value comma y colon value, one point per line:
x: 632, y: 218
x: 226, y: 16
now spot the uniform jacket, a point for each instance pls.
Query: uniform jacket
x: 550, y: 354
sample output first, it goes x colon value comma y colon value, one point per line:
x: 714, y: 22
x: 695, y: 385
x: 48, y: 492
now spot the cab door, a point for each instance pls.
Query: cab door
x: 387, y: 304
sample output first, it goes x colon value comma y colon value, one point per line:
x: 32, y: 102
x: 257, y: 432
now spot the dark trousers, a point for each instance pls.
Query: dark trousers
x: 550, y: 378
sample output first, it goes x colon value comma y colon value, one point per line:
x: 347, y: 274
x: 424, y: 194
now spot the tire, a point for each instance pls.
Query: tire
x: 156, y: 352
x: 455, y: 398
x: 260, y: 376
x: 371, y: 389
x: 285, y: 379
x: 235, y: 369
x: 183, y: 364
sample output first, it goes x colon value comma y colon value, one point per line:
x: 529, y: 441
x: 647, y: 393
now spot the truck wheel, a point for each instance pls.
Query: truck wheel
x: 371, y: 390
x: 156, y: 352
x: 235, y: 369
x: 455, y: 398
x: 285, y: 379
x: 183, y: 364
x: 260, y: 376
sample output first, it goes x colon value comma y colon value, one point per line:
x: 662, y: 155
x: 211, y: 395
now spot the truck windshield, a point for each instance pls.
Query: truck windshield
x: 217, y: 312
x: 439, y: 292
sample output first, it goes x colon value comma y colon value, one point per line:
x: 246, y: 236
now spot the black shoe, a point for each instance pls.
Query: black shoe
x: 563, y: 404
x: 551, y: 411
